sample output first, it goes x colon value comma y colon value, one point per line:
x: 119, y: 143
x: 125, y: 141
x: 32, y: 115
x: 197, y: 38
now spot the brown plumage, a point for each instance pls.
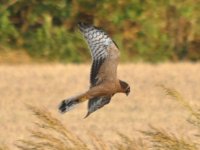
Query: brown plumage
x: 103, y: 78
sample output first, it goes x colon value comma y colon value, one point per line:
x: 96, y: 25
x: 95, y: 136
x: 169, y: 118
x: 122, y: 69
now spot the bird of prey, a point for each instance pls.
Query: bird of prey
x: 103, y: 77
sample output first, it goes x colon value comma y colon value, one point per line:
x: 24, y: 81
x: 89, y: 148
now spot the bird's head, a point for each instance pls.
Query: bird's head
x: 125, y: 87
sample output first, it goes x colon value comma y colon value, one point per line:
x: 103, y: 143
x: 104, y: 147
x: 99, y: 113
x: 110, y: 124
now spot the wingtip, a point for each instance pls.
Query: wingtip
x: 82, y: 26
x: 79, y: 23
x: 87, y: 115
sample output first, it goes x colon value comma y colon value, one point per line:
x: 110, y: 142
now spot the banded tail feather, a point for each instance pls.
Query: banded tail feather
x: 68, y: 104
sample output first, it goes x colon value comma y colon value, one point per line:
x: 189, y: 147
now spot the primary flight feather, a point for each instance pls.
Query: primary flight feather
x: 103, y: 77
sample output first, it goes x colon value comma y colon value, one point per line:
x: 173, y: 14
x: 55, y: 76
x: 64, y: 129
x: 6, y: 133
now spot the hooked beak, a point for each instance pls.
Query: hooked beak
x: 127, y: 93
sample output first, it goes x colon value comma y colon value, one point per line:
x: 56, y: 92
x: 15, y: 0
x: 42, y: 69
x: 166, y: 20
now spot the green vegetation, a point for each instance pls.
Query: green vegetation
x: 144, y: 30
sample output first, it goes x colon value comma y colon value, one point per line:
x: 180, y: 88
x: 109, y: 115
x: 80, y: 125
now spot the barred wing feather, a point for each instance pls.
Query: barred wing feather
x: 98, y: 42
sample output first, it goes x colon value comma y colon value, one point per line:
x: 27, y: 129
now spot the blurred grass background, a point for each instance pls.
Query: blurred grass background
x: 152, y: 31
x: 49, y: 133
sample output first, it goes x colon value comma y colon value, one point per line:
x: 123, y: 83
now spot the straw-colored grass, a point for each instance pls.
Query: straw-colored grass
x: 165, y: 140
x: 175, y: 117
x: 194, y: 111
x: 50, y: 134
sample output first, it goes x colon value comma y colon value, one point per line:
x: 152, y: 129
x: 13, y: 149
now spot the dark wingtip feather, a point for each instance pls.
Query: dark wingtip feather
x: 82, y: 26
x: 88, y: 113
x: 79, y: 24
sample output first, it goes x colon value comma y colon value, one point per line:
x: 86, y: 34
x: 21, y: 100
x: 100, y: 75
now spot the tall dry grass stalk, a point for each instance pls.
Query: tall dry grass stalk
x: 178, y: 97
x: 50, y: 134
x: 195, y: 112
x: 164, y: 140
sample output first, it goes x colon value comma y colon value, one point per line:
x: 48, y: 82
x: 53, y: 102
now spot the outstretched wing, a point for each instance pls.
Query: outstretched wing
x: 97, y: 103
x: 104, y: 53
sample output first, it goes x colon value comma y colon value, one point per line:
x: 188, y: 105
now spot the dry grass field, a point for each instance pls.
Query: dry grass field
x: 46, y: 85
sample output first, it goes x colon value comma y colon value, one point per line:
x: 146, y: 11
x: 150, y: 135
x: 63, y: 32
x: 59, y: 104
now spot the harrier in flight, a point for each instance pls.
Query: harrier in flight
x: 103, y: 77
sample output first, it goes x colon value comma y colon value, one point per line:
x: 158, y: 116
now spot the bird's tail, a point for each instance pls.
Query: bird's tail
x: 68, y: 104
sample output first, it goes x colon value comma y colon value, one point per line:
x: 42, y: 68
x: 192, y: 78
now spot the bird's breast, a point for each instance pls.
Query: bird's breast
x: 104, y: 89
